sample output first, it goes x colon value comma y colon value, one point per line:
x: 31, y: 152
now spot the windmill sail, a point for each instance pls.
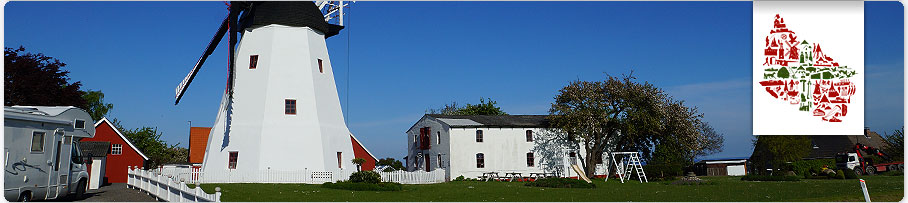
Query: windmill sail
x: 181, y: 89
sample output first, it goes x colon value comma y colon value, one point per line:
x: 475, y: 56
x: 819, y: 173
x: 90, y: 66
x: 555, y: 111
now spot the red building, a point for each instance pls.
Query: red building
x: 361, y: 152
x: 122, y: 154
x: 198, y: 141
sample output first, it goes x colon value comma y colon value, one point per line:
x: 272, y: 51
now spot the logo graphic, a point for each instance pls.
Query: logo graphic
x: 797, y: 72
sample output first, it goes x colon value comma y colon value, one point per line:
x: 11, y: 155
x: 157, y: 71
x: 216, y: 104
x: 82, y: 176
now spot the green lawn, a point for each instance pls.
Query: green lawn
x: 882, y: 188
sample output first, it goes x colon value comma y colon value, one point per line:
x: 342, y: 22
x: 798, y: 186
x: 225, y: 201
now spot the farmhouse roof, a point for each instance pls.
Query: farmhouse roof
x: 827, y: 146
x: 95, y: 148
x: 497, y: 121
x: 107, y: 122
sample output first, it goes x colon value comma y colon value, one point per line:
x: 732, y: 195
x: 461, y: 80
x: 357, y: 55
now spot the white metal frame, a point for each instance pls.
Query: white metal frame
x: 629, y: 162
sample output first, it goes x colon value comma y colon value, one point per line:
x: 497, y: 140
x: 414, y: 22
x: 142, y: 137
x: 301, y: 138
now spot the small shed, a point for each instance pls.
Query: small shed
x: 96, y: 151
x: 721, y: 167
x: 198, y: 141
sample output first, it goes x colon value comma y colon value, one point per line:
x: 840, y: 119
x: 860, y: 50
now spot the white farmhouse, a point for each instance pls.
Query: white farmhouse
x: 469, y: 145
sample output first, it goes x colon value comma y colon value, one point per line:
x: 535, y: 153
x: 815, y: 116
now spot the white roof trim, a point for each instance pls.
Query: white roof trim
x: 364, y: 147
x: 121, y: 135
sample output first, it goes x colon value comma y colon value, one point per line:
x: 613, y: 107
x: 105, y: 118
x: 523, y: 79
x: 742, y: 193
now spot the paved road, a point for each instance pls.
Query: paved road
x: 116, y: 192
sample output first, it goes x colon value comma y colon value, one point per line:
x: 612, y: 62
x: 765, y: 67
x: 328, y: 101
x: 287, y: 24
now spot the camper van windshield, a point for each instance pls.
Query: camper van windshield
x: 76, y: 154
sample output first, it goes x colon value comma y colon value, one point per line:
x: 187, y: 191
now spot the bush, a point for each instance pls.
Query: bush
x: 807, y: 166
x: 849, y: 174
x: 839, y: 174
x: 560, y: 183
x: 459, y: 178
x: 365, y: 177
x: 362, y: 186
x: 769, y: 178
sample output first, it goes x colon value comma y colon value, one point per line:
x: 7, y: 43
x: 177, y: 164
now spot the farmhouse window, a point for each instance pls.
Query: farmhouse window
x: 116, y: 149
x: 531, y: 160
x: 253, y: 61
x: 38, y: 142
x: 478, y: 135
x: 424, y: 135
x: 231, y: 161
x: 529, y: 136
x: 321, y: 69
x: 480, y: 160
x: 290, y: 106
x: 79, y: 124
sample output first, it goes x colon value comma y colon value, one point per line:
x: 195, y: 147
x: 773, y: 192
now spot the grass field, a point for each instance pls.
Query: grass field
x: 882, y: 188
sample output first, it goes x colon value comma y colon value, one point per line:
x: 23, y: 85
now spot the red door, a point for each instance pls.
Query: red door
x: 427, y: 163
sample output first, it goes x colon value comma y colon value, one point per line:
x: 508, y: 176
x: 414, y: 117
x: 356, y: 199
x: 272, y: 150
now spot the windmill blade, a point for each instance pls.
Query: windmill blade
x: 181, y: 89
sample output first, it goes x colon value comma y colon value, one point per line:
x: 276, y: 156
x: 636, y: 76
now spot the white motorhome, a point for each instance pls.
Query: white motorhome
x: 42, y: 160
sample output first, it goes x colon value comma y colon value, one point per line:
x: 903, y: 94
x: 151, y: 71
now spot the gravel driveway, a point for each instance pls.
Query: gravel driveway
x: 116, y: 192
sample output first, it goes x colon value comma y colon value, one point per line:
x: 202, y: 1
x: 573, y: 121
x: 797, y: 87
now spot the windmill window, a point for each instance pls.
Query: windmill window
x: 321, y: 68
x: 253, y: 61
x: 478, y: 135
x: 439, y: 161
x: 438, y: 137
x: 116, y: 149
x: 231, y: 161
x: 480, y: 160
x: 38, y: 142
x: 290, y: 106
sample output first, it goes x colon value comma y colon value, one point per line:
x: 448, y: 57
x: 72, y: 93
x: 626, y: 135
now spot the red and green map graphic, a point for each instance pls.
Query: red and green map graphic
x: 799, y: 73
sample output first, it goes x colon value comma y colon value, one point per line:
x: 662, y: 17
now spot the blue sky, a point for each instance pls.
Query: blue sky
x: 406, y: 57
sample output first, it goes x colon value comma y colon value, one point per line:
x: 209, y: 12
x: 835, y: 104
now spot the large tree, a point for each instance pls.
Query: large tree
x: 38, y: 80
x: 94, y: 104
x: 485, y: 107
x: 895, y: 144
x: 621, y: 114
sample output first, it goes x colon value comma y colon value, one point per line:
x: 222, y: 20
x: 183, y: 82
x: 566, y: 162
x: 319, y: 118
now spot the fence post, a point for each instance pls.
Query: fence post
x: 217, y: 194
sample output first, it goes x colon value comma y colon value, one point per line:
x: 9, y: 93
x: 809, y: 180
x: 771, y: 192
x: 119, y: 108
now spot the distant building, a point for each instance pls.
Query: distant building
x: 122, y: 153
x: 198, y: 141
x: 97, y: 151
x: 721, y: 167
x: 471, y: 145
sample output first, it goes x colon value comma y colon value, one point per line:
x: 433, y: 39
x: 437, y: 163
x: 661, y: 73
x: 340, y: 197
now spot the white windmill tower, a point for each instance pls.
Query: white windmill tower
x: 281, y: 109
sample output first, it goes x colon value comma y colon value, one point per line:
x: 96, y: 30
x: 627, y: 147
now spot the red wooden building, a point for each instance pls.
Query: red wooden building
x: 122, y: 154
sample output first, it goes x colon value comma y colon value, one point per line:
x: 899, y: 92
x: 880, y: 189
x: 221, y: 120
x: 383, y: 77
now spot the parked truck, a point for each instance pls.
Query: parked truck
x: 42, y: 157
x: 855, y: 161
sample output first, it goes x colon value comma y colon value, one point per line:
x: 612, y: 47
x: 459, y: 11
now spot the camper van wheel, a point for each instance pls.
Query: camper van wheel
x: 80, y: 189
x: 25, y: 196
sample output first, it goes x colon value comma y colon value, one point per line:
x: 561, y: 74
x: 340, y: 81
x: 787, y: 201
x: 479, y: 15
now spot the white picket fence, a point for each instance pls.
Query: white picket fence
x: 195, y: 175
x: 414, y: 177
x: 167, y: 188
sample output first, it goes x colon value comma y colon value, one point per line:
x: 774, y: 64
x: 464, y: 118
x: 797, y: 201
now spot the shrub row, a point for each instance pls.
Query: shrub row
x: 560, y: 183
x: 362, y: 186
x: 804, y: 167
x: 770, y: 178
x: 661, y: 172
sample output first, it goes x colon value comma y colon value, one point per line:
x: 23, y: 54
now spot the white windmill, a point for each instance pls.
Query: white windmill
x: 280, y: 110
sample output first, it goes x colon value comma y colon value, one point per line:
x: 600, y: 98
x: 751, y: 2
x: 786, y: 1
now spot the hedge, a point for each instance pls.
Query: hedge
x: 347, y: 185
x: 560, y: 183
x: 770, y: 178
x: 658, y: 172
x: 804, y: 167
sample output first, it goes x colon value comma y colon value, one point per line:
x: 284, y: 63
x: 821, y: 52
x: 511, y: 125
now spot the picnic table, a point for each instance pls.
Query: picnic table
x: 489, y: 175
x: 537, y: 176
x: 513, y: 175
